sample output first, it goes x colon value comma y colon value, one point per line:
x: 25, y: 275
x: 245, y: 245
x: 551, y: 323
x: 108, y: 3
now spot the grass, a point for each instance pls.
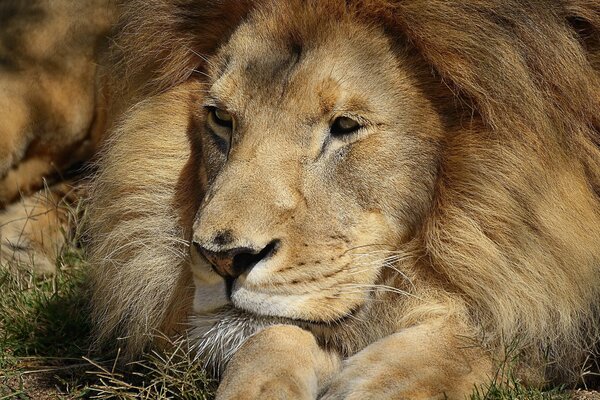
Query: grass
x: 512, y: 389
x: 505, y: 386
x: 519, y: 392
x: 44, y: 342
x: 45, y: 336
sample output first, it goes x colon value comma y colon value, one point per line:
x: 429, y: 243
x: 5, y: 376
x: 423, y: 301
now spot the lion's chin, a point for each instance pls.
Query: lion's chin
x: 217, y: 335
x: 301, y: 308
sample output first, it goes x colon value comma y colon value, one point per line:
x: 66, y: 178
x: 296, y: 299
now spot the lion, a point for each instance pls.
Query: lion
x: 353, y: 198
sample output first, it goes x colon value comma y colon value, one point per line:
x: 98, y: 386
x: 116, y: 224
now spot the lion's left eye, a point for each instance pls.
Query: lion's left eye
x: 344, y: 126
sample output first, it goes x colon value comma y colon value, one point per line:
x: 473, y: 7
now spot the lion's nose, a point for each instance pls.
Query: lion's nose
x: 230, y: 263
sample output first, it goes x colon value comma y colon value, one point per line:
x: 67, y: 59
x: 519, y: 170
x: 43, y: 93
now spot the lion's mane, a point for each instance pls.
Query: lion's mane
x: 515, y: 224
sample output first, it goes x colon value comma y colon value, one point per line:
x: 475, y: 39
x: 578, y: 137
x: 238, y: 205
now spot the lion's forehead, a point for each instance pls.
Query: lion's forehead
x: 307, y: 72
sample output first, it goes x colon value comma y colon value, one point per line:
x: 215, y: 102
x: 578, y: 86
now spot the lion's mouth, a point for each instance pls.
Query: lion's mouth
x: 303, y: 309
x: 283, y: 316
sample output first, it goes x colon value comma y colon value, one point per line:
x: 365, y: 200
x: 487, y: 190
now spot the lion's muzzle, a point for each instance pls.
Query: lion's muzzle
x: 230, y: 262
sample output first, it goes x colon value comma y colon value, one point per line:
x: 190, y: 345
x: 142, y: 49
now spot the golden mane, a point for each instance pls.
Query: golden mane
x: 519, y: 168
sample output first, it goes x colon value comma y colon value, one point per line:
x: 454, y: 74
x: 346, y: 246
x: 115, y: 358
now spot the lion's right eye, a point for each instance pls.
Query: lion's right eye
x: 220, y: 117
x: 221, y: 124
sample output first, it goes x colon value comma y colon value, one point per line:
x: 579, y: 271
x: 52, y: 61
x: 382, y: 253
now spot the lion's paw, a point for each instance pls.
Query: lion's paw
x: 267, y: 387
x: 419, y: 363
x: 360, y: 381
x: 280, y: 362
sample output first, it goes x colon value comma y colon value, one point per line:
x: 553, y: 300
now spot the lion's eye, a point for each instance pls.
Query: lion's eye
x: 344, y: 126
x: 221, y: 117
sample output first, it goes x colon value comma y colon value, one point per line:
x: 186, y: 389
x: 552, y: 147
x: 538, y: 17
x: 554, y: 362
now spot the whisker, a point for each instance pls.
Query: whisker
x: 384, y: 288
x: 365, y: 246
x: 392, y: 259
x: 201, y: 73
x: 202, y: 57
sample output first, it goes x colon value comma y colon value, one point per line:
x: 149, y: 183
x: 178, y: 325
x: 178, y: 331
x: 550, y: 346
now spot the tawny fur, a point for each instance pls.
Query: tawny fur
x: 138, y: 238
x: 50, y: 111
x: 52, y: 119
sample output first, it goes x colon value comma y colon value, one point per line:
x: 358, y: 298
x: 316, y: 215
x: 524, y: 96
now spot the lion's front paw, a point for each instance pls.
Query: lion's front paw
x: 266, y: 387
x: 346, y: 386
x: 280, y: 362
x: 364, y: 380
x: 360, y: 380
x: 419, y: 363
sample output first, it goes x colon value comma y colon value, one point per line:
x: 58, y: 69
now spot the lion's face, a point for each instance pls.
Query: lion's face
x: 320, y: 155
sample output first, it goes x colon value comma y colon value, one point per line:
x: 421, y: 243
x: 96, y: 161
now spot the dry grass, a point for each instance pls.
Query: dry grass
x: 45, y: 342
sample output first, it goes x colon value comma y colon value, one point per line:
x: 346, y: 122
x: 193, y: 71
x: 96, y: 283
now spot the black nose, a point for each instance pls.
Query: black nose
x: 233, y: 262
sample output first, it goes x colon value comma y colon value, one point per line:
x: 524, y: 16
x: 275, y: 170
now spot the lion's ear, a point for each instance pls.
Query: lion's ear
x: 161, y: 43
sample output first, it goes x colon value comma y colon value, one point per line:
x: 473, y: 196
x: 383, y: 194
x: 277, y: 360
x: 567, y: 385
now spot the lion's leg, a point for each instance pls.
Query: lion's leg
x: 32, y: 231
x: 280, y: 362
x: 429, y: 361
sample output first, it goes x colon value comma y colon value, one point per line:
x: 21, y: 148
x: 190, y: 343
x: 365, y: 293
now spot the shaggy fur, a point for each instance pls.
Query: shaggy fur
x: 138, y: 225
x: 503, y: 239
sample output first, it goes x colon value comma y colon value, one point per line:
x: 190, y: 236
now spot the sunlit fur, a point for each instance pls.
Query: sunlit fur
x: 138, y: 240
x: 33, y: 230
x: 477, y: 203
